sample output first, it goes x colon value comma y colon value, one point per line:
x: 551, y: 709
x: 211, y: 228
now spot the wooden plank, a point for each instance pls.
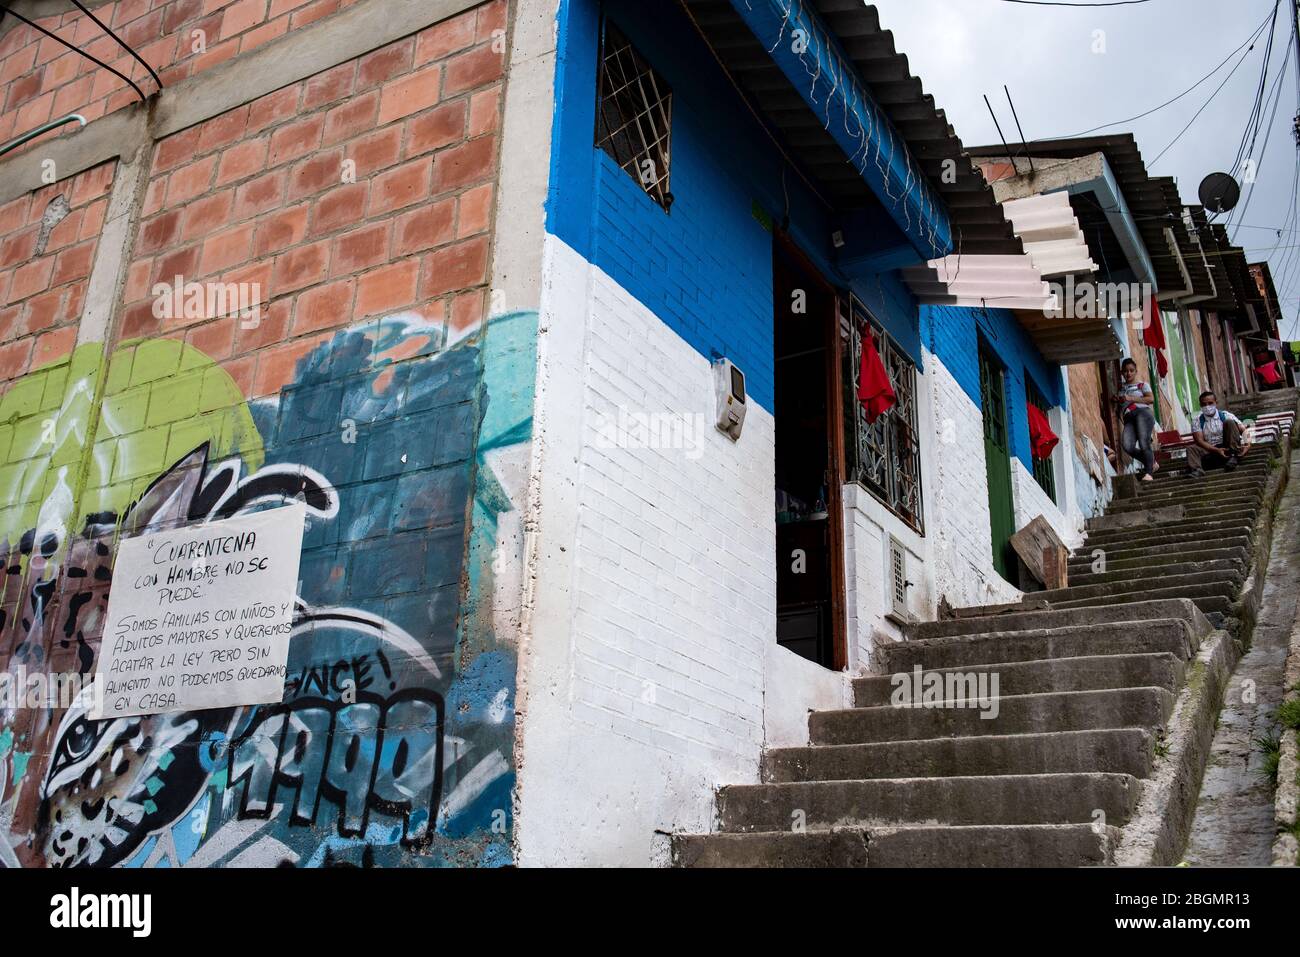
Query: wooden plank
x: 1043, y: 552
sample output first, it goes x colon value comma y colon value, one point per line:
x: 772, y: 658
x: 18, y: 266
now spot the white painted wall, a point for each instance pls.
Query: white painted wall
x: 650, y: 672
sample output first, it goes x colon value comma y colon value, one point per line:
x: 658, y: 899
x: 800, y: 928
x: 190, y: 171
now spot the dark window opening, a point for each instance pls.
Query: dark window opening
x: 883, y: 457
x: 1044, y: 473
x: 634, y: 115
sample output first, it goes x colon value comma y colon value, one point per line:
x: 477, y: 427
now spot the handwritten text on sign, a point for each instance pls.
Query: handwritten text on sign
x: 199, y: 617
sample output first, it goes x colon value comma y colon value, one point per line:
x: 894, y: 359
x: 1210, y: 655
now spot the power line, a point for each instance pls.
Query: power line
x: 78, y: 50
x: 1059, y: 3
x: 1206, y: 103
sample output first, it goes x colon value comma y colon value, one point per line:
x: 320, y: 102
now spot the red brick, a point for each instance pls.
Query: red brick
x: 153, y: 197
x: 215, y: 339
x: 242, y: 160
x: 445, y: 38
x: 242, y: 372
x: 279, y: 7
x: 273, y: 327
x: 313, y: 12
x: 491, y: 19
x: 92, y: 222
x: 205, y: 216
x: 425, y: 228
x: 282, y: 230
x: 438, y: 128
x: 411, y: 94
x: 221, y: 131
x: 473, y: 69
x: 468, y: 163
x: 467, y: 310
x: 226, y: 249
x: 353, y: 117
x: 273, y: 108
x: 260, y: 195
x: 316, y: 174
x: 385, y: 64
x: 73, y: 263
x: 362, y: 248
x: 304, y: 266
x: 41, y: 312
x: 24, y: 89
x: 181, y: 262
x: 19, y: 247
x: 388, y: 289
x: 340, y: 207
x: 324, y: 307
x: 137, y: 280
x: 180, y: 11
x: 53, y: 345
x: 31, y: 278
x: 93, y: 183
x: 485, y: 111
x: 161, y: 231
x: 142, y: 31
x: 66, y: 232
x: 14, y: 358
x: 241, y: 16
x: 400, y: 187
x: 73, y: 96
x: 12, y: 215
x: 216, y: 55
x: 276, y: 367
x: 329, y: 87
x: 294, y: 140
x: 376, y: 151
x: 264, y: 34
x: 177, y: 149
x: 461, y: 266
x: 475, y: 210
x: 190, y: 181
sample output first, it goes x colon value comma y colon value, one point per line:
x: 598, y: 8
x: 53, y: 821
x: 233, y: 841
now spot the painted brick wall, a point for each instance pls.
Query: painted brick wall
x: 47, y: 245
x: 371, y: 381
x: 959, y: 520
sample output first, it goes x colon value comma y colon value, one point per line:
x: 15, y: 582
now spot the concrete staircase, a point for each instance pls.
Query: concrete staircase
x: 1088, y: 677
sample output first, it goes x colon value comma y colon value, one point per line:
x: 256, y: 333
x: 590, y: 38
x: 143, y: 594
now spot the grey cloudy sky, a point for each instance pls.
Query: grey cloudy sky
x: 963, y: 49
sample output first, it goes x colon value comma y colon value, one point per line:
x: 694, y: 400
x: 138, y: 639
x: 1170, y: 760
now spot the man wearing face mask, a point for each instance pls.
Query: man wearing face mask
x: 1216, y: 438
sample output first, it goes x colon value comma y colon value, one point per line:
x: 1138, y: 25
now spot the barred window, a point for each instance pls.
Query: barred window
x: 884, y: 457
x: 1044, y: 473
x: 634, y: 115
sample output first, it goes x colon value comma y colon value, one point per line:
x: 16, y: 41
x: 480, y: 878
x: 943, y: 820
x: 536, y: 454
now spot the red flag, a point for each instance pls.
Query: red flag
x: 1041, y: 437
x: 874, y: 389
x: 1153, y: 335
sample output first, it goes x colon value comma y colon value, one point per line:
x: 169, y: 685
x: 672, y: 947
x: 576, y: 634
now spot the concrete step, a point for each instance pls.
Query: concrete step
x: 1149, y: 573
x: 1117, y: 750
x: 1216, y: 598
x: 1163, y: 543
x: 995, y: 799
x: 1159, y: 636
x: 1137, y: 583
x: 1015, y: 714
x: 972, y: 622
x: 1147, y: 535
x: 1193, y: 496
x: 1081, y: 673
x: 1190, y: 520
x: 1016, y: 845
x: 1161, y: 557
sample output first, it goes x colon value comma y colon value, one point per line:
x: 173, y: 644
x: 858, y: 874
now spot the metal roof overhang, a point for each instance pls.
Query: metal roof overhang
x: 976, y: 221
x: 1154, y: 203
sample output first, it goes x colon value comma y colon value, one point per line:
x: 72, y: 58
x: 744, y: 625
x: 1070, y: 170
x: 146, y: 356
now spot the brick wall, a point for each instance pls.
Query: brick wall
x: 355, y: 209
x: 48, y: 245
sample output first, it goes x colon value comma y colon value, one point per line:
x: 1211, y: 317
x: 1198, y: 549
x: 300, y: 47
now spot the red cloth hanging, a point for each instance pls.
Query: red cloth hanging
x: 1041, y: 437
x: 1153, y: 335
x: 1268, y: 372
x: 874, y: 389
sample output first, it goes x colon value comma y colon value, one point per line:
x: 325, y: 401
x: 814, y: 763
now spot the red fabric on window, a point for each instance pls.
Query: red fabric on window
x: 874, y: 389
x: 1268, y: 372
x: 1041, y: 437
x: 1153, y: 335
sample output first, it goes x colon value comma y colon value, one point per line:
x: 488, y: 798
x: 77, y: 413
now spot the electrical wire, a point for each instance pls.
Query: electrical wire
x: 75, y: 49
x: 120, y: 42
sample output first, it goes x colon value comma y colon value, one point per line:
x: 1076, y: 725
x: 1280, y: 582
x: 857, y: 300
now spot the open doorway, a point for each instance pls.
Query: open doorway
x: 809, y: 463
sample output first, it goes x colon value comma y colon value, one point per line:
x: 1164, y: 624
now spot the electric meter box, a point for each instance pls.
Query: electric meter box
x: 730, y: 384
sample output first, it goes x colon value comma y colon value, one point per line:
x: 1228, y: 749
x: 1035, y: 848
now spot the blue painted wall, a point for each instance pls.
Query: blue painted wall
x: 705, y: 268
x: 953, y: 335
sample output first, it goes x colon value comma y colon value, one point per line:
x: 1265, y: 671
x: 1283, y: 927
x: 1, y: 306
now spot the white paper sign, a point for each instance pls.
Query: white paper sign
x: 200, y: 617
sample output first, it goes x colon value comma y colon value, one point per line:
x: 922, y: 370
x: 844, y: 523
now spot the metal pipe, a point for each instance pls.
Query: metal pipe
x: 44, y: 128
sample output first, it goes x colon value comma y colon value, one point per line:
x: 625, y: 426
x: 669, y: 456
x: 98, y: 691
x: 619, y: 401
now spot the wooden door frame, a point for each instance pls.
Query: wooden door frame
x: 835, y: 449
x: 987, y: 355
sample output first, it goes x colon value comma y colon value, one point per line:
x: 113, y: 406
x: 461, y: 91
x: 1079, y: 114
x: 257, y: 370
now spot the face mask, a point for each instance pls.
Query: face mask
x: 1209, y: 410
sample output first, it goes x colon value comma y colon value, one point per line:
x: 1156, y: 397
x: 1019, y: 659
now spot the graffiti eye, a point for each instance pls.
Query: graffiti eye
x: 76, y: 743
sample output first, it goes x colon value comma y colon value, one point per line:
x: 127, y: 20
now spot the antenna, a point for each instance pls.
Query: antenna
x: 1023, y: 142
x: 999, y: 126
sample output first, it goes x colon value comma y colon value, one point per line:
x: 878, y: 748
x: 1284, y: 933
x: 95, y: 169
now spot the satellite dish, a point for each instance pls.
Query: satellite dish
x: 1219, y: 193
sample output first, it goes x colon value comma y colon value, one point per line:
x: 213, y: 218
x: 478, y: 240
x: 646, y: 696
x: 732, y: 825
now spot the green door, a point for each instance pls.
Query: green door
x: 997, y: 462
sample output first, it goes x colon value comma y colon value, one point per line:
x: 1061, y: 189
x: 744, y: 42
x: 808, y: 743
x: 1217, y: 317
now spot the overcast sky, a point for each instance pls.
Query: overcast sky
x: 963, y: 49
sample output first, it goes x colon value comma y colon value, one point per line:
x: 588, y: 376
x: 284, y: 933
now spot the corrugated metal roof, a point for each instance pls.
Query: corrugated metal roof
x: 979, y: 226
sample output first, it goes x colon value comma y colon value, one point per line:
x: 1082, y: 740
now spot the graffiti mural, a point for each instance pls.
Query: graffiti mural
x: 393, y: 743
